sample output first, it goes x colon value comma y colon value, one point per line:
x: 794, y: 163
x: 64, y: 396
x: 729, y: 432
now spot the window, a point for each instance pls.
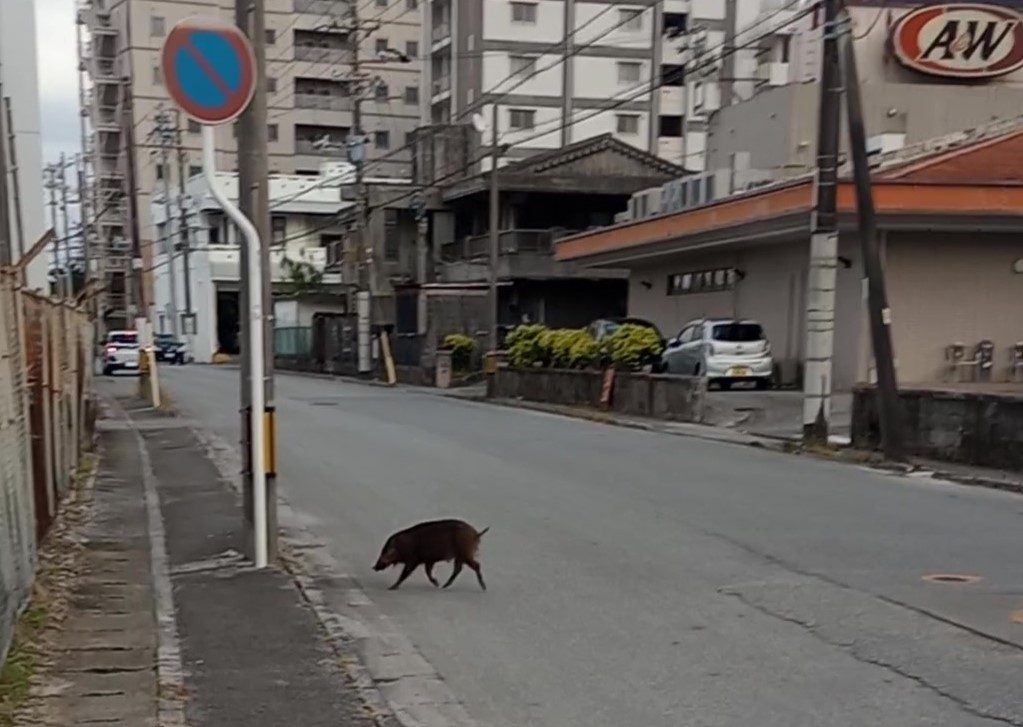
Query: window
x: 670, y: 126
x: 522, y: 119
x: 382, y: 139
x: 271, y: 84
x: 278, y: 229
x: 412, y: 94
x: 381, y: 3
x: 159, y: 172
x: 786, y: 48
x: 629, y: 71
x: 271, y: 36
x: 737, y: 332
x: 381, y: 45
x: 157, y: 26
x: 213, y: 231
x: 523, y: 12
x: 412, y: 49
x: 194, y: 170
x: 392, y: 240
x: 194, y: 127
x: 630, y: 19
x: 381, y: 92
x: 673, y: 75
x: 271, y: 132
x: 522, y: 65
x: 411, y: 4
x: 157, y: 75
x: 627, y: 123
x: 702, y: 281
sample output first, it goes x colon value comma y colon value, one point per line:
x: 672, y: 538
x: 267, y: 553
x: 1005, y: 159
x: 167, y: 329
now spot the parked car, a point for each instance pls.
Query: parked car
x: 120, y: 352
x: 723, y: 350
x: 168, y: 348
x: 604, y: 327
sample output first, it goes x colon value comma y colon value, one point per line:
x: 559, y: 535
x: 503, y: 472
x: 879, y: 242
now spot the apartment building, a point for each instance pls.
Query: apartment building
x: 313, y: 84
x: 647, y: 71
x: 21, y: 86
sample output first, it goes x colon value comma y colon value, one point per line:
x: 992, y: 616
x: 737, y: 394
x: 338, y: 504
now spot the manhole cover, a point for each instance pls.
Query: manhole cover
x: 950, y: 578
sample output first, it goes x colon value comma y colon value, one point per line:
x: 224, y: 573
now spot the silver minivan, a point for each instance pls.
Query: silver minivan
x: 724, y: 350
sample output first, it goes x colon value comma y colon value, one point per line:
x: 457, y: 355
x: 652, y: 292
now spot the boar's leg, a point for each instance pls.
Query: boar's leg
x: 479, y: 573
x: 406, y: 571
x: 429, y: 574
x: 454, y: 573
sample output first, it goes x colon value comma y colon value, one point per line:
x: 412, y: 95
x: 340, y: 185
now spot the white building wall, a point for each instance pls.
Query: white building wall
x: 597, y: 77
x: 592, y: 25
x: 548, y: 28
x: 18, y: 70
x: 497, y: 75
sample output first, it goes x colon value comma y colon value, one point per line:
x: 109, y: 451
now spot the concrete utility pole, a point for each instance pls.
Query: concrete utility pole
x: 6, y: 248
x: 879, y: 314
x: 820, y: 310
x: 69, y: 281
x: 495, y: 221
x: 165, y: 136
x: 137, y: 288
x: 15, y: 186
x: 253, y: 198
x: 50, y: 183
x: 183, y: 219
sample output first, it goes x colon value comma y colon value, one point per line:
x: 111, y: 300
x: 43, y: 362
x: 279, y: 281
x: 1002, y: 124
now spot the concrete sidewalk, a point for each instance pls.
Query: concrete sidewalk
x: 169, y: 625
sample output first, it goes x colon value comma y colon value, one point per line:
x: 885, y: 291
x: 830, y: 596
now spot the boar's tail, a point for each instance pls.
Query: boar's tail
x: 481, y: 532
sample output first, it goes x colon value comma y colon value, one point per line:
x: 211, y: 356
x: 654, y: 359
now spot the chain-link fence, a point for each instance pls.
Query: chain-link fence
x: 44, y: 382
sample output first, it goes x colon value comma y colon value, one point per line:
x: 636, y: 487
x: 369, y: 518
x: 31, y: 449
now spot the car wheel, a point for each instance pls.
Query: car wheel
x: 696, y: 370
x: 107, y: 371
x: 725, y: 384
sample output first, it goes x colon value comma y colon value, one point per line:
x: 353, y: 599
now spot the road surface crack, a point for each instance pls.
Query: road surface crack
x: 849, y: 647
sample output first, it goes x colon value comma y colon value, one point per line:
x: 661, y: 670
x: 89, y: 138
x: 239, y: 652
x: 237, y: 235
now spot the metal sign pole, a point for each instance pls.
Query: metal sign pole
x: 255, y: 352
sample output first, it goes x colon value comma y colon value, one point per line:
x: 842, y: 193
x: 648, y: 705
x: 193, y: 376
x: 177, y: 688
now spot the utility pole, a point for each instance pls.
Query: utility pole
x: 820, y: 310
x: 165, y: 136
x: 69, y: 281
x: 137, y: 282
x: 879, y: 314
x: 253, y: 198
x: 183, y: 220
x: 12, y: 168
x: 6, y: 249
x: 495, y: 220
x: 50, y: 175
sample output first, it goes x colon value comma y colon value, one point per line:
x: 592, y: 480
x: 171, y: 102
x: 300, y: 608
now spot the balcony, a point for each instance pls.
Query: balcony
x: 440, y: 86
x: 773, y: 73
x: 330, y: 148
x: 223, y: 262
x: 509, y: 242
x: 673, y: 100
x: 322, y: 102
x: 315, y: 7
x: 441, y: 31
x: 315, y: 54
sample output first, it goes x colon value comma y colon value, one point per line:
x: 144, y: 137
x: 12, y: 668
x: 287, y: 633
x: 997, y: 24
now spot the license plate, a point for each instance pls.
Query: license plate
x: 131, y: 365
x: 738, y: 371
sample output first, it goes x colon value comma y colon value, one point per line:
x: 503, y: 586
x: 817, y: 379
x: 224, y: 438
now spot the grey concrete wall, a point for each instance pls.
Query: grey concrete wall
x: 952, y: 288
x: 975, y: 429
x: 772, y: 292
x: 679, y: 398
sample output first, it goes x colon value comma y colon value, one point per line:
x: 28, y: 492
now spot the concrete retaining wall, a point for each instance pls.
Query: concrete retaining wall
x: 679, y: 398
x: 971, y: 428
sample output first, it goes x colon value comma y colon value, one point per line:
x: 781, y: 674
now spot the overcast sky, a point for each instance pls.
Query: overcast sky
x: 58, y: 77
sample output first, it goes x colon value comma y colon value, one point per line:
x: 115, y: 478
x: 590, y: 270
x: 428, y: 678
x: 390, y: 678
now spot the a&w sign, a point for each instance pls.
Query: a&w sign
x: 960, y: 40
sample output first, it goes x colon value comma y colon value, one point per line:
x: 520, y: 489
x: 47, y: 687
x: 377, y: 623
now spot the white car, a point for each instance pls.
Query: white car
x: 723, y: 350
x: 121, y: 352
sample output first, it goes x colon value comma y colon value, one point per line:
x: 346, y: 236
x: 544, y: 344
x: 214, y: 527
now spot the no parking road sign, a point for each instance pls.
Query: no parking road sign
x: 209, y: 69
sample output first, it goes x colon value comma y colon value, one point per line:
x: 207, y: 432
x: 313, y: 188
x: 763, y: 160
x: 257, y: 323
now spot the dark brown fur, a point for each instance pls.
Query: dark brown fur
x: 432, y: 542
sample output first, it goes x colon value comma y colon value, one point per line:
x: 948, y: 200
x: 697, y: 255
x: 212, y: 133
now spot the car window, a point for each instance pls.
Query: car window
x: 124, y: 339
x: 686, y: 335
x: 738, y: 332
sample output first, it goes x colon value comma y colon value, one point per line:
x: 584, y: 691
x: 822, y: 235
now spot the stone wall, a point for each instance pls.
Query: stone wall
x: 680, y: 398
x: 970, y: 428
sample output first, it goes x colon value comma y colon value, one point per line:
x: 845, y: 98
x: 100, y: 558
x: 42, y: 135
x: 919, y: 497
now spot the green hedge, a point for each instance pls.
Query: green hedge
x: 535, y: 346
x: 462, y: 348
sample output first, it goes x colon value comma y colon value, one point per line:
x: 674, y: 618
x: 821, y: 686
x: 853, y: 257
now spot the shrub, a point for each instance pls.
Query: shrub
x: 462, y: 348
x: 524, y: 346
x: 573, y: 348
x: 631, y: 346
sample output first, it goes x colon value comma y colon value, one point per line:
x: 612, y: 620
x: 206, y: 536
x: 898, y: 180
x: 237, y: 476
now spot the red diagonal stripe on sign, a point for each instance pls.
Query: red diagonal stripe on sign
x: 207, y: 68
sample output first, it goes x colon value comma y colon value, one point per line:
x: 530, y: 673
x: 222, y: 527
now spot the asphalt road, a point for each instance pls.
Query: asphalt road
x: 645, y: 579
